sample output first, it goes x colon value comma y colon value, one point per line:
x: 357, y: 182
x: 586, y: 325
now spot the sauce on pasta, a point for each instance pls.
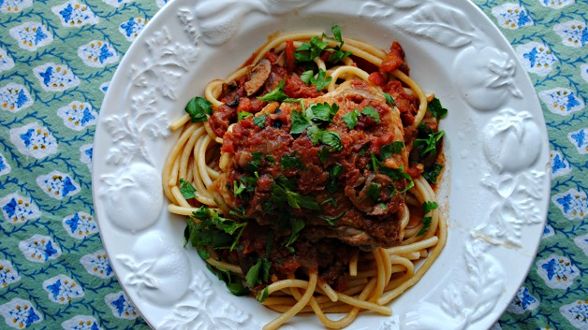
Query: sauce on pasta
x: 307, y: 177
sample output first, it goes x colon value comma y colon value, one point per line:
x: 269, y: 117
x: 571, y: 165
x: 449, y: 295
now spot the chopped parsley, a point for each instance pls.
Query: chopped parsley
x: 310, y: 119
x: 371, y: 113
x: 291, y: 161
x: 338, y: 54
x: 259, y: 121
x: 238, y: 188
x: 296, y: 226
x: 282, y: 194
x: 207, y: 229
x: 187, y: 189
x: 334, y: 173
x: 390, y: 100
x: 321, y: 81
x: 393, y: 148
x: 243, y: 114
x: 310, y: 50
x: 276, y: 95
x: 350, y: 118
x: 258, y: 273
x: 428, y: 206
x: 262, y: 295
x: 299, y: 122
x: 306, y: 76
x: 433, y: 173
x: 428, y: 145
x: 321, y: 113
x: 199, y: 109
x: 234, y: 283
x: 436, y: 109
x: 373, y: 191
x: 333, y: 220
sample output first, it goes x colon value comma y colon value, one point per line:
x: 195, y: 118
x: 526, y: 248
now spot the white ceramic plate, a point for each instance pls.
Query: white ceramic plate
x: 495, y: 191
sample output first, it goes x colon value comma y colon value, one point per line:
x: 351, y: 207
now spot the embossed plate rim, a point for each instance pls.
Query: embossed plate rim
x: 477, y: 252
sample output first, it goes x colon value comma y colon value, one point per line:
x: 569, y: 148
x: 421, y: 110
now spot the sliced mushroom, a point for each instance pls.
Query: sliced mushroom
x: 258, y: 76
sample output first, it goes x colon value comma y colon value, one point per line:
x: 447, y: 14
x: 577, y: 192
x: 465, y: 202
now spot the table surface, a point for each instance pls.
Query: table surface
x: 56, y: 59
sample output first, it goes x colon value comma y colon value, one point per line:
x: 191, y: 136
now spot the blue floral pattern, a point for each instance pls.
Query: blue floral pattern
x: 579, y: 139
x: 6, y: 62
x: 62, y: 289
x: 559, y: 165
x: 17, y: 209
x: 40, y: 248
x: 77, y: 115
x: 14, y: 6
x: 75, y: 14
x: 512, y: 16
x: 14, y: 97
x: 8, y: 274
x: 558, y: 272
x: 58, y: 185
x: 573, y: 33
x: 576, y: 313
x: 31, y: 36
x: 536, y: 57
x: 56, y: 77
x: 523, y: 302
x: 33, y: 140
x: 97, y: 54
x: 562, y: 101
x: 121, y: 306
x: 4, y: 166
x: 81, y: 322
x: 80, y: 225
x: 97, y: 264
x: 132, y: 27
x: 572, y: 203
x: 86, y: 151
x: 20, y: 314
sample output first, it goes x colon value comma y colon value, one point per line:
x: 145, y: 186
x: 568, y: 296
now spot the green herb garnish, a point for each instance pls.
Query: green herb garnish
x: 199, y: 109
x: 187, y: 189
x: 276, y: 95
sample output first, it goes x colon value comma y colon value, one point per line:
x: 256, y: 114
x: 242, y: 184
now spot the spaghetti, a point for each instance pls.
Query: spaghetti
x: 307, y: 177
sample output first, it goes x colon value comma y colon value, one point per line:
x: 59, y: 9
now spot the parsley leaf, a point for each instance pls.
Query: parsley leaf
x: 314, y: 134
x: 276, y: 95
x: 426, y: 226
x: 234, y: 283
x: 372, y: 113
x: 429, y: 206
x: 238, y: 188
x: 243, y: 114
x: 258, y: 273
x: 262, y: 295
x: 321, y: 113
x: 390, y: 100
x: 308, y: 51
x: 199, y: 109
x: 437, y: 109
x: 291, y: 161
x: 331, y: 140
x: 350, y: 118
x: 321, y: 81
x: 211, y: 216
x: 284, y: 195
x: 334, y: 173
x: 299, y: 122
x: 187, y: 189
x: 373, y: 191
x: 333, y: 220
x: 338, y: 55
x: 259, y: 121
x: 428, y: 145
x: 432, y: 174
x: 336, y: 30
x: 296, y: 226
x: 391, y: 149
x: 306, y: 76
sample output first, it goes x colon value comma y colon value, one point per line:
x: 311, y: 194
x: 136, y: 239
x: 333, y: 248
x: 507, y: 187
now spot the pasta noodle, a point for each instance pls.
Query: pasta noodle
x: 195, y: 166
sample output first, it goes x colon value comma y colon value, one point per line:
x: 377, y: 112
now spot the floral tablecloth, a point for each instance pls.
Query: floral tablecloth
x: 56, y: 60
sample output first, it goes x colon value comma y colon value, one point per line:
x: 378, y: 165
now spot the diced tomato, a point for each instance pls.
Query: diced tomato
x: 290, y: 58
x: 377, y: 79
x: 394, y: 59
x: 295, y: 88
